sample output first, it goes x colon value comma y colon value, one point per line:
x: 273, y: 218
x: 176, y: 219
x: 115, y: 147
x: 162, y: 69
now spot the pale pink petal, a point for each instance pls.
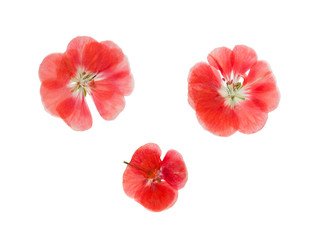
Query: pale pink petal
x: 257, y: 72
x: 133, y: 180
x: 261, y: 85
x: 244, y: 58
x: 75, y: 112
x: 212, y: 113
x: 76, y: 47
x: 52, y: 97
x: 49, y: 67
x: 201, y: 76
x: 55, y: 72
x: 251, y: 118
x: 268, y: 94
x: 204, y: 74
x: 108, y: 101
x: 216, y: 117
x: 114, y: 78
x: 119, y: 77
x: 221, y: 59
x: 209, y: 105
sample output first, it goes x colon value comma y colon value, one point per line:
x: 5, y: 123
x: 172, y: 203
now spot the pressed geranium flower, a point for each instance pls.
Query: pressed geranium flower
x: 152, y: 182
x: 88, y: 67
x: 233, y: 92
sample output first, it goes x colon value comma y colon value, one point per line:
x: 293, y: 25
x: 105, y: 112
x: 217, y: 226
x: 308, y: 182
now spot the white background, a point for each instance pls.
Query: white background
x: 56, y: 183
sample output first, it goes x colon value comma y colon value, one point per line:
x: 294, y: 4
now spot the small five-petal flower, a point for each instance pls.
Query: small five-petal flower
x: 88, y: 67
x: 233, y: 92
x: 152, y: 182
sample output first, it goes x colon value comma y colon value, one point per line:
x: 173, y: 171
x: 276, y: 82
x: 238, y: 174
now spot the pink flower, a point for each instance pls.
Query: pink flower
x: 152, y: 182
x: 233, y: 92
x: 86, y: 68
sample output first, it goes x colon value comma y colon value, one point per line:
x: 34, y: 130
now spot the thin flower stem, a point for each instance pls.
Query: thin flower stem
x: 131, y: 165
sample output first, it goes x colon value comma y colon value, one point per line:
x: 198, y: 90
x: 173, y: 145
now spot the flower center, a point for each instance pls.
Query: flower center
x: 155, y: 176
x: 233, y: 91
x: 82, y: 81
x: 152, y: 175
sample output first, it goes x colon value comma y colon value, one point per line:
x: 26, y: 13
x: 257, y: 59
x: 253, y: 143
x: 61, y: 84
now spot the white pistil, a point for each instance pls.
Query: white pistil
x: 233, y: 92
x: 80, y: 83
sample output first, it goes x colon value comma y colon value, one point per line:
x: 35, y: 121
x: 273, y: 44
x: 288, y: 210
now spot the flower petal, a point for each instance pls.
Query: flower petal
x: 260, y: 70
x: 79, y: 43
x: 261, y: 85
x: 221, y: 59
x: 204, y: 74
x: 244, y: 58
x: 98, y: 57
x: 156, y: 196
x: 251, y: 117
x: 215, y: 117
x: 107, y: 100
x: 52, y: 97
x: 48, y: 67
x: 174, y: 170
x: 201, y: 76
x: 76, y: 47
x: 133, y: 180
x: 120, y: 78
x: 75, y: 112
x: 208, y: 103
x: 55, y: 71
x: 146, y: 159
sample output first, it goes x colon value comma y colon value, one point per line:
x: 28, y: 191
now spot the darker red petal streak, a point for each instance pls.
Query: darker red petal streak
x: 75, y: 112
x: 76, y: 48
x: 147, y: 157
x: 98, y: 57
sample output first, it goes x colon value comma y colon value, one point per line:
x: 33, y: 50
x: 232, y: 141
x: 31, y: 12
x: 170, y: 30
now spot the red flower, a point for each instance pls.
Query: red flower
x: 152, y: 182
x: 240, y: 99
x: 87, y: 67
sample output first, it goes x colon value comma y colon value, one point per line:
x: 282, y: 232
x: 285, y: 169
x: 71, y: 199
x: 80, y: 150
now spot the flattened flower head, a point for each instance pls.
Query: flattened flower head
x: 152, y: 182
x: 233, y: 92
x: 86, y: 68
